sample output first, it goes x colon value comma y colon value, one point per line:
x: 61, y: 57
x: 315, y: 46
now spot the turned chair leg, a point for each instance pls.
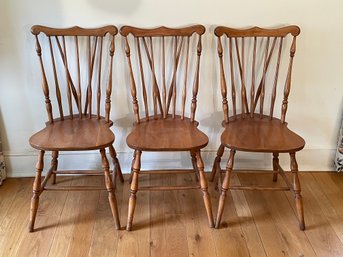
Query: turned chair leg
x: 54, y: 164
x: 297, y: 192
x: 109, y: 186
x: 36, y: 190
x: 275, y: 166
x: 225, y: 187
x: 194, y: 163
x: 116, y: 169
x: 133, y: 189
x: 204, y: 189
x: 216, y: 163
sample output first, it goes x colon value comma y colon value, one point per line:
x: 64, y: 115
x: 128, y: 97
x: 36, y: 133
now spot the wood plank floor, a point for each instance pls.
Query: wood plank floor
x: 174, y: 223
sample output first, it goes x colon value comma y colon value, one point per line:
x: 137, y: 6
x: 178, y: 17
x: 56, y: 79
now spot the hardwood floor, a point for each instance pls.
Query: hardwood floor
x: 174, y: 223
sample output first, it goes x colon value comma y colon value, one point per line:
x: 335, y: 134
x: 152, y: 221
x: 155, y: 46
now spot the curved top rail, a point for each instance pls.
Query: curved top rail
x: 162, y: 31
x: 257, y: 31
x: 74, y: 31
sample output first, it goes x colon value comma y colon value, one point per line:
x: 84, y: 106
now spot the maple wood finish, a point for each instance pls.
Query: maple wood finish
x: 252, y: 76
x: 165, y: 60
x: 76, y: 66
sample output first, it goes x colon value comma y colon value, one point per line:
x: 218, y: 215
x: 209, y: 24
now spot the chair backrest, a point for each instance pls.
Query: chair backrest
x: 76, y: 66
x: 251, y: 69
x: 165, y: 60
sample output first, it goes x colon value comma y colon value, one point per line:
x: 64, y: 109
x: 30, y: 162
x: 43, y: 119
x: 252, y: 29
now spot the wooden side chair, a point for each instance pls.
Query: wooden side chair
x: 76, y: 67
x: 251, y: 71
x: 160, y: 65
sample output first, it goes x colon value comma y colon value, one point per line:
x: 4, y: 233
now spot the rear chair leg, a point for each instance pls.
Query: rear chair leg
x: 275, y: 166
x: 36, y: 190
x: 132, y: 163
x: 116, y: 169
x: 297, y: 192
x: 109, y: 186
x: 194, y: 163
x: 54, y: 164
x: 225, y: 187
x: 134, y: 187
x: 204, y: 189
x: 216, y: 164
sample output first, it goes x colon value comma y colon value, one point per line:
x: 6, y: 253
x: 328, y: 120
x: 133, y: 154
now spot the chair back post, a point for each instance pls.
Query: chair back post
x: 196, y: 81
x: 45, y: 86
x: 288, y: 82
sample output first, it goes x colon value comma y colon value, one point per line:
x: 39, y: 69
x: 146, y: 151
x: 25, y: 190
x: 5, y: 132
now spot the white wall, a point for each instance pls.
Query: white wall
x: 315, y: 101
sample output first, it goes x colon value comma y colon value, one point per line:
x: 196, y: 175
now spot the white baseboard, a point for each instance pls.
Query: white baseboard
x: 23, y: 165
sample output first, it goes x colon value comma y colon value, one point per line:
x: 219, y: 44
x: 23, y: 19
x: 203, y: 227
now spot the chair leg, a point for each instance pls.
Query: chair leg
x: 297, y: 192
x: 204, y: 189
x: 225, y: 187
x: 36, y: 190
x: 109, y: 186
x: 216, y: 163
x: 54, y: 164
x: 194, y: 163
x: 116, y: 169
x: 134, y: 187
x: 275, y: 166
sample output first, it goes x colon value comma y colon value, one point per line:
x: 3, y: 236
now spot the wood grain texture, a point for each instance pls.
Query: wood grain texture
x: 167, y: 135
x: 73, y: 135
x: 172, y: 223
x: 260, y: 135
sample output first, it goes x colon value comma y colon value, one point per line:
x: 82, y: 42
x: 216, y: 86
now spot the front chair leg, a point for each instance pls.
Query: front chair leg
x: 134, y: 187
x: 297, y: 192
x: 204, y: 189
x: 109, y: 186
x: 225, y: 187
x: 116, y: 169
x: 36, y: 190
x: 216, y: 163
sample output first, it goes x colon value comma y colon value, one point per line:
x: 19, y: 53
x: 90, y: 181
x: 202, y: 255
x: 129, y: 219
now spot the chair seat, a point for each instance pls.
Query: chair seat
x: 73, y: 135
x: 166, y: 135
x: 260, y: 135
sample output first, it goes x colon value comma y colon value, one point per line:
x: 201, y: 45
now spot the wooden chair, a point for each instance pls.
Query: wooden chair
x: 164, y: 61
x: 251, y: 72
x: 76, y: 66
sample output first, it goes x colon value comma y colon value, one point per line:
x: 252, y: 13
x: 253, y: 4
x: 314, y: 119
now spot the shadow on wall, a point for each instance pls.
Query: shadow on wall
x: 115, y: 6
